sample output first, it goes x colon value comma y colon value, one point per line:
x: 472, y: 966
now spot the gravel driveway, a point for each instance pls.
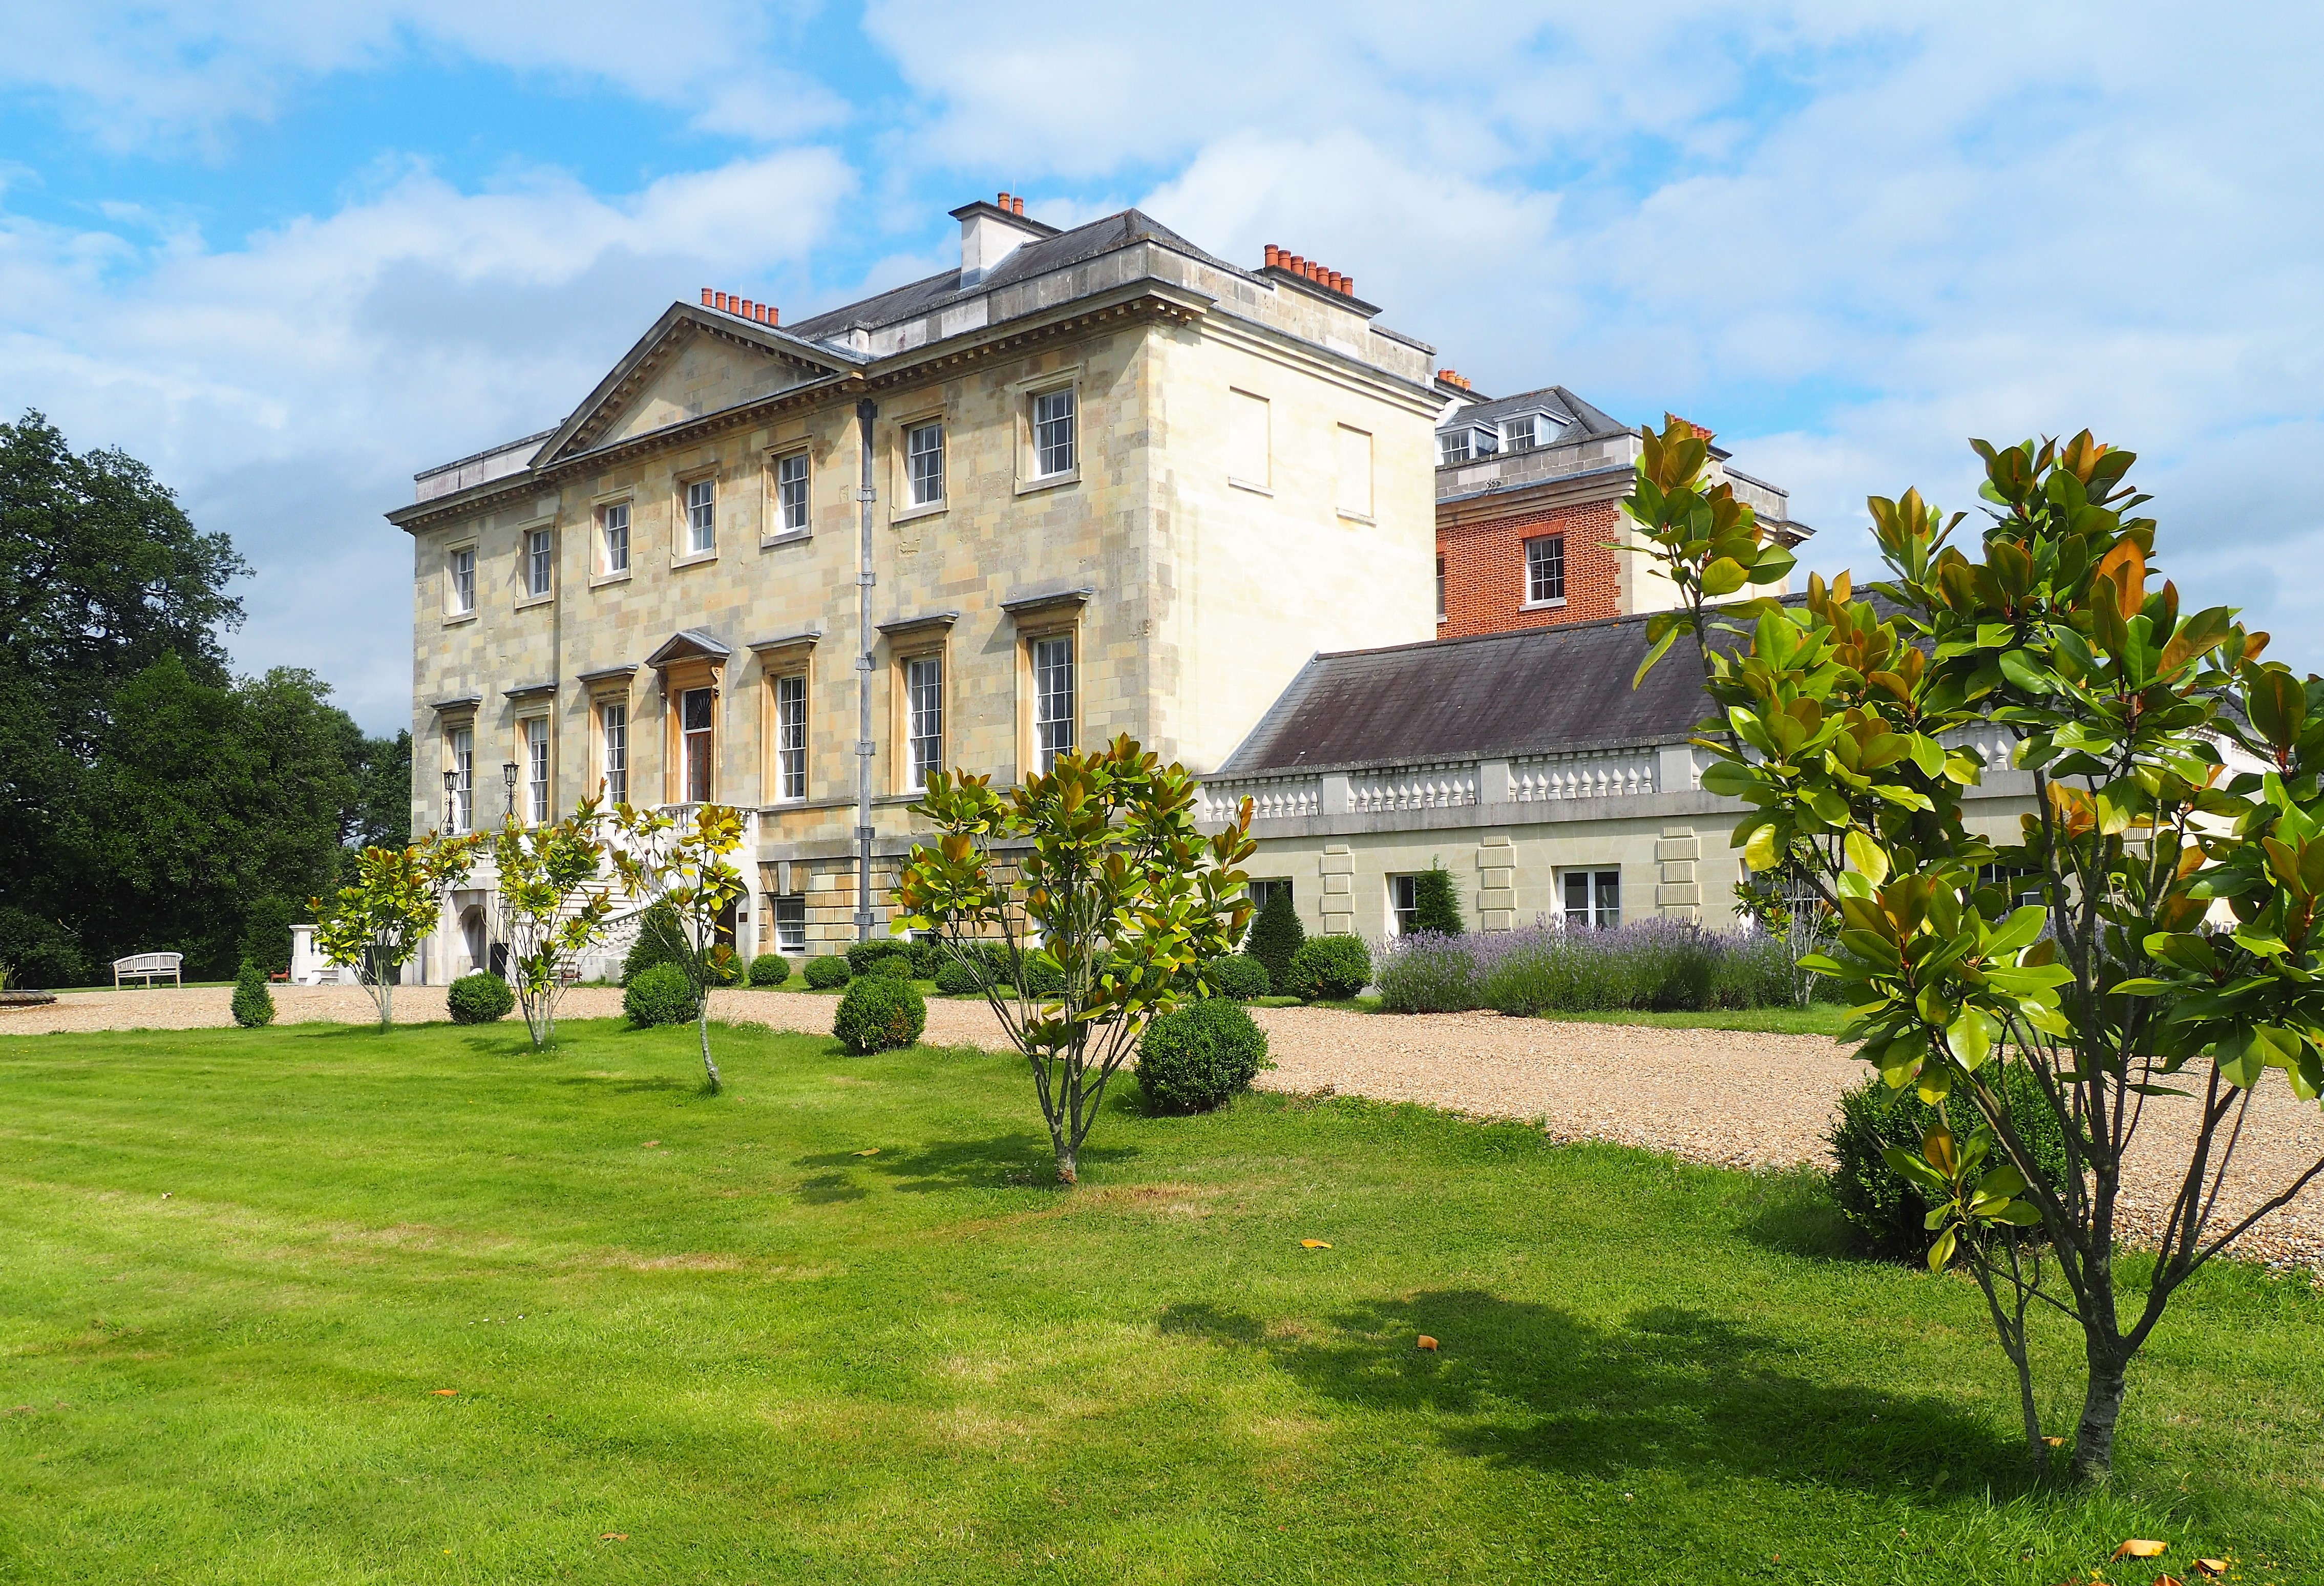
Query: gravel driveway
x: 1721, y: 1097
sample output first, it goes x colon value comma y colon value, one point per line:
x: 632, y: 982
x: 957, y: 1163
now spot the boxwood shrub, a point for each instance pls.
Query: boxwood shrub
x: 1197, y: 1058
x: 1330, y: 966
x: 1883, y: 1209
x: 880, y: 1012
x: 958, y: 979
x: 770, y: 969
x: 1236, y: 976
x: 658, y: 995
x: 896, y: 966
x: 822, y: 973
x: 253, y: 1004
x: 480, y: 999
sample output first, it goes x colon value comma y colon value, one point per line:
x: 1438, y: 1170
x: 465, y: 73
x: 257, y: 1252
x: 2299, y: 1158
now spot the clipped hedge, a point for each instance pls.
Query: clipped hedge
x: 1336, y: 967
x: 896, y: 966
x: 957, y: 979
x: 770, y: 969
x: 1882, y: 1207
x: 822, y: 973
x: 880, y: 1012
x: 1201, y: 1056
x: 1275, y: 934
x: 480, y: 999
x: 659, y: 994
x: 863, y: 957
x: 253, y: 1004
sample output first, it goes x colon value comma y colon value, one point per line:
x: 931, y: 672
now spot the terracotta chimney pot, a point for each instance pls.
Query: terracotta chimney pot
x: 1348, y: 285
x: 1003, y: 203
x: 705, y: 297
x: 774, y: 315
x: 1017, y: 206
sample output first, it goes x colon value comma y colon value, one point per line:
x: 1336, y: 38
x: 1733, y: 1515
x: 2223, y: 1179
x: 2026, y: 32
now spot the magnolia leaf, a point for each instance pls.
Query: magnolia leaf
x: 1428, y: 1343
x: 868, y: 1151
x: 1313, y: 1244
x: 2139, y: 1547
x: 1867, y: 856
x: 1943, y: 1250
x: 1724, y: 576
x: 444, y: 1392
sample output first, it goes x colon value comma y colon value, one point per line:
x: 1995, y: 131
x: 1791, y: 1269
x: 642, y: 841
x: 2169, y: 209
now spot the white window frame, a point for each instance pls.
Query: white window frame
x: 687, y: 734
x: 790, y: 912
x: 793, y: 496
x: 613, y: 748
x: 1451, y: 447
x: 924, y: 466
x: 1054, y: 707
x: 460, y: 755
x: 539, y: 562
x: 1262, y: 891
x: 699, y: 515
x: 1530, y: 423
x: 535, y: 730
x: 460, y: 581
x: 924, y: 712
x: 1593, y: 913
x: 613, y: 538
x: 1535, y: 599
x: 1053, y: 458
x: 1440, y: 589
x: 791, y: 738
x: 1403, y: 903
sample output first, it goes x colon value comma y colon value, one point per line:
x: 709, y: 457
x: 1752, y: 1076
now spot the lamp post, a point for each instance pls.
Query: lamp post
x: 451, y: 801
x: 508, y: 775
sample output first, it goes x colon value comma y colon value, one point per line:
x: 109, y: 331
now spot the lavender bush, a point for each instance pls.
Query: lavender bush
x: 1655, y: 965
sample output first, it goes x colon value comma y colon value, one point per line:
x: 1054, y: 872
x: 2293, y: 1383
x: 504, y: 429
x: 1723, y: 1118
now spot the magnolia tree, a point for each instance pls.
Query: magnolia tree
x: 2170, y: 962
x: 554, y: 899
x: 377, y: 925
x: 685, y: 865
x: 1105, y: 888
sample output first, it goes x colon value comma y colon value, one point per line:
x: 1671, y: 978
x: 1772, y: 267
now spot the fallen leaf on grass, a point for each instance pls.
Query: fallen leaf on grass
x: 649, y: 1146
x: 1429, y: 1344
x: 2168, y: 1580
x: 1315, y: 1244
x: 2212, y: 1566
x: 2138, y: 1547
x: 2055, y: 1441
x: 614, y: 1537
x: 873, y: 1152
x: 444, y: 1392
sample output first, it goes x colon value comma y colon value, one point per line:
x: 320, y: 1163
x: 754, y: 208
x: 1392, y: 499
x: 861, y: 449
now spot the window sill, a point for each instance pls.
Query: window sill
x: 1235, y: 483
x: 931, y: 509
x: 456, y: 617
x: 1048, y: 481
x: 789, y: 537
x: 530, y: 600
x: 1346, y: 516
x: 599, y: 580
x: 694, y: 558
x: 1543, y: 606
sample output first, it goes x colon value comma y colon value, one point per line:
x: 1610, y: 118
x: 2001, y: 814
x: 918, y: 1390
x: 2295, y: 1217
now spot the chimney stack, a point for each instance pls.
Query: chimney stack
x: 705, y: 297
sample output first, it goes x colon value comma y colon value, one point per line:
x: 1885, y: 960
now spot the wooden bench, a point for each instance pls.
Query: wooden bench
x: 148, y: 967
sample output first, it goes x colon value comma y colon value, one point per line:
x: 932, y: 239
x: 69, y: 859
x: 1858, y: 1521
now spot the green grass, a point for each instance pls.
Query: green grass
x: 1822, y: 1020
x: 235, y: 1265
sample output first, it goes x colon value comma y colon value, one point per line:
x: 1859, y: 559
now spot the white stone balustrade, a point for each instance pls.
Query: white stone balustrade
x: 1582, y: 776
x: 1433, y: 787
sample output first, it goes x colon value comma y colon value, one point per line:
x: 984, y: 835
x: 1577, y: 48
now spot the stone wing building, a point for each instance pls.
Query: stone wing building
x: 1115, y: 484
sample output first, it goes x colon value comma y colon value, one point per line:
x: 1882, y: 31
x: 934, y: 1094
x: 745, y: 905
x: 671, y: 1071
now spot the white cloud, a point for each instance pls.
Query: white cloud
x: 129, y: 73
x: 291, y: 385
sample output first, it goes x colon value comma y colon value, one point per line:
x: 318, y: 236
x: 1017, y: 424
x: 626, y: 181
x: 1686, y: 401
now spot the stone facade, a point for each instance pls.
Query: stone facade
x: 1190, y: 590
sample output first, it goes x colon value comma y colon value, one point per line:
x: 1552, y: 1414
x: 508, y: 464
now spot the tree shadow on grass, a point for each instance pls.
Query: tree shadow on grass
x: 1795, y: 1215
x: 1017, y: 1160
x: 626, y: 1085
x: 1668, y: 1388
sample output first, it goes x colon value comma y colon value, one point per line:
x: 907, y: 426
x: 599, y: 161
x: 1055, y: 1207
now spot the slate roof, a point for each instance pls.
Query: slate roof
x: 1588, y: 420
x: 1535, y: 691
x: 1028, y: 259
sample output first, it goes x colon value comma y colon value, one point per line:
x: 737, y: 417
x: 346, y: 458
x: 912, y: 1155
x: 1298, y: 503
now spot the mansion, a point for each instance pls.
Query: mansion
x: 1091, y: 481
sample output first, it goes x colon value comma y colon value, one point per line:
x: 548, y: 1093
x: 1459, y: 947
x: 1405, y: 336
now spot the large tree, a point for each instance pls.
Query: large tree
x: 148, y: 800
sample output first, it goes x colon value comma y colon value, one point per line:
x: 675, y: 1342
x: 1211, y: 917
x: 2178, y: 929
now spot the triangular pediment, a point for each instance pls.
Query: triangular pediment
x: 692, y: 364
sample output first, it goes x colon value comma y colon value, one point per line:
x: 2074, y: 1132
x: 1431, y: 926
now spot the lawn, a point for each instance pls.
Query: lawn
x: 239, y: 1272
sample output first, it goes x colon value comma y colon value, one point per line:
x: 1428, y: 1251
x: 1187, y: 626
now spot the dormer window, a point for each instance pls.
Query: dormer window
x: 1452, y: 446
x: 1519, y: 434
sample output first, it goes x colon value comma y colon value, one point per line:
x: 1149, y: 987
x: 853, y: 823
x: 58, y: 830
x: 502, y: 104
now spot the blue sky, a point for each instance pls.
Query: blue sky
x: 289, y: 255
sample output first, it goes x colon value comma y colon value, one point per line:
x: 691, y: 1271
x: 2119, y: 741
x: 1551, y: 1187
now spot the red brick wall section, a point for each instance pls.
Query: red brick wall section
x: 1485, y: 569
